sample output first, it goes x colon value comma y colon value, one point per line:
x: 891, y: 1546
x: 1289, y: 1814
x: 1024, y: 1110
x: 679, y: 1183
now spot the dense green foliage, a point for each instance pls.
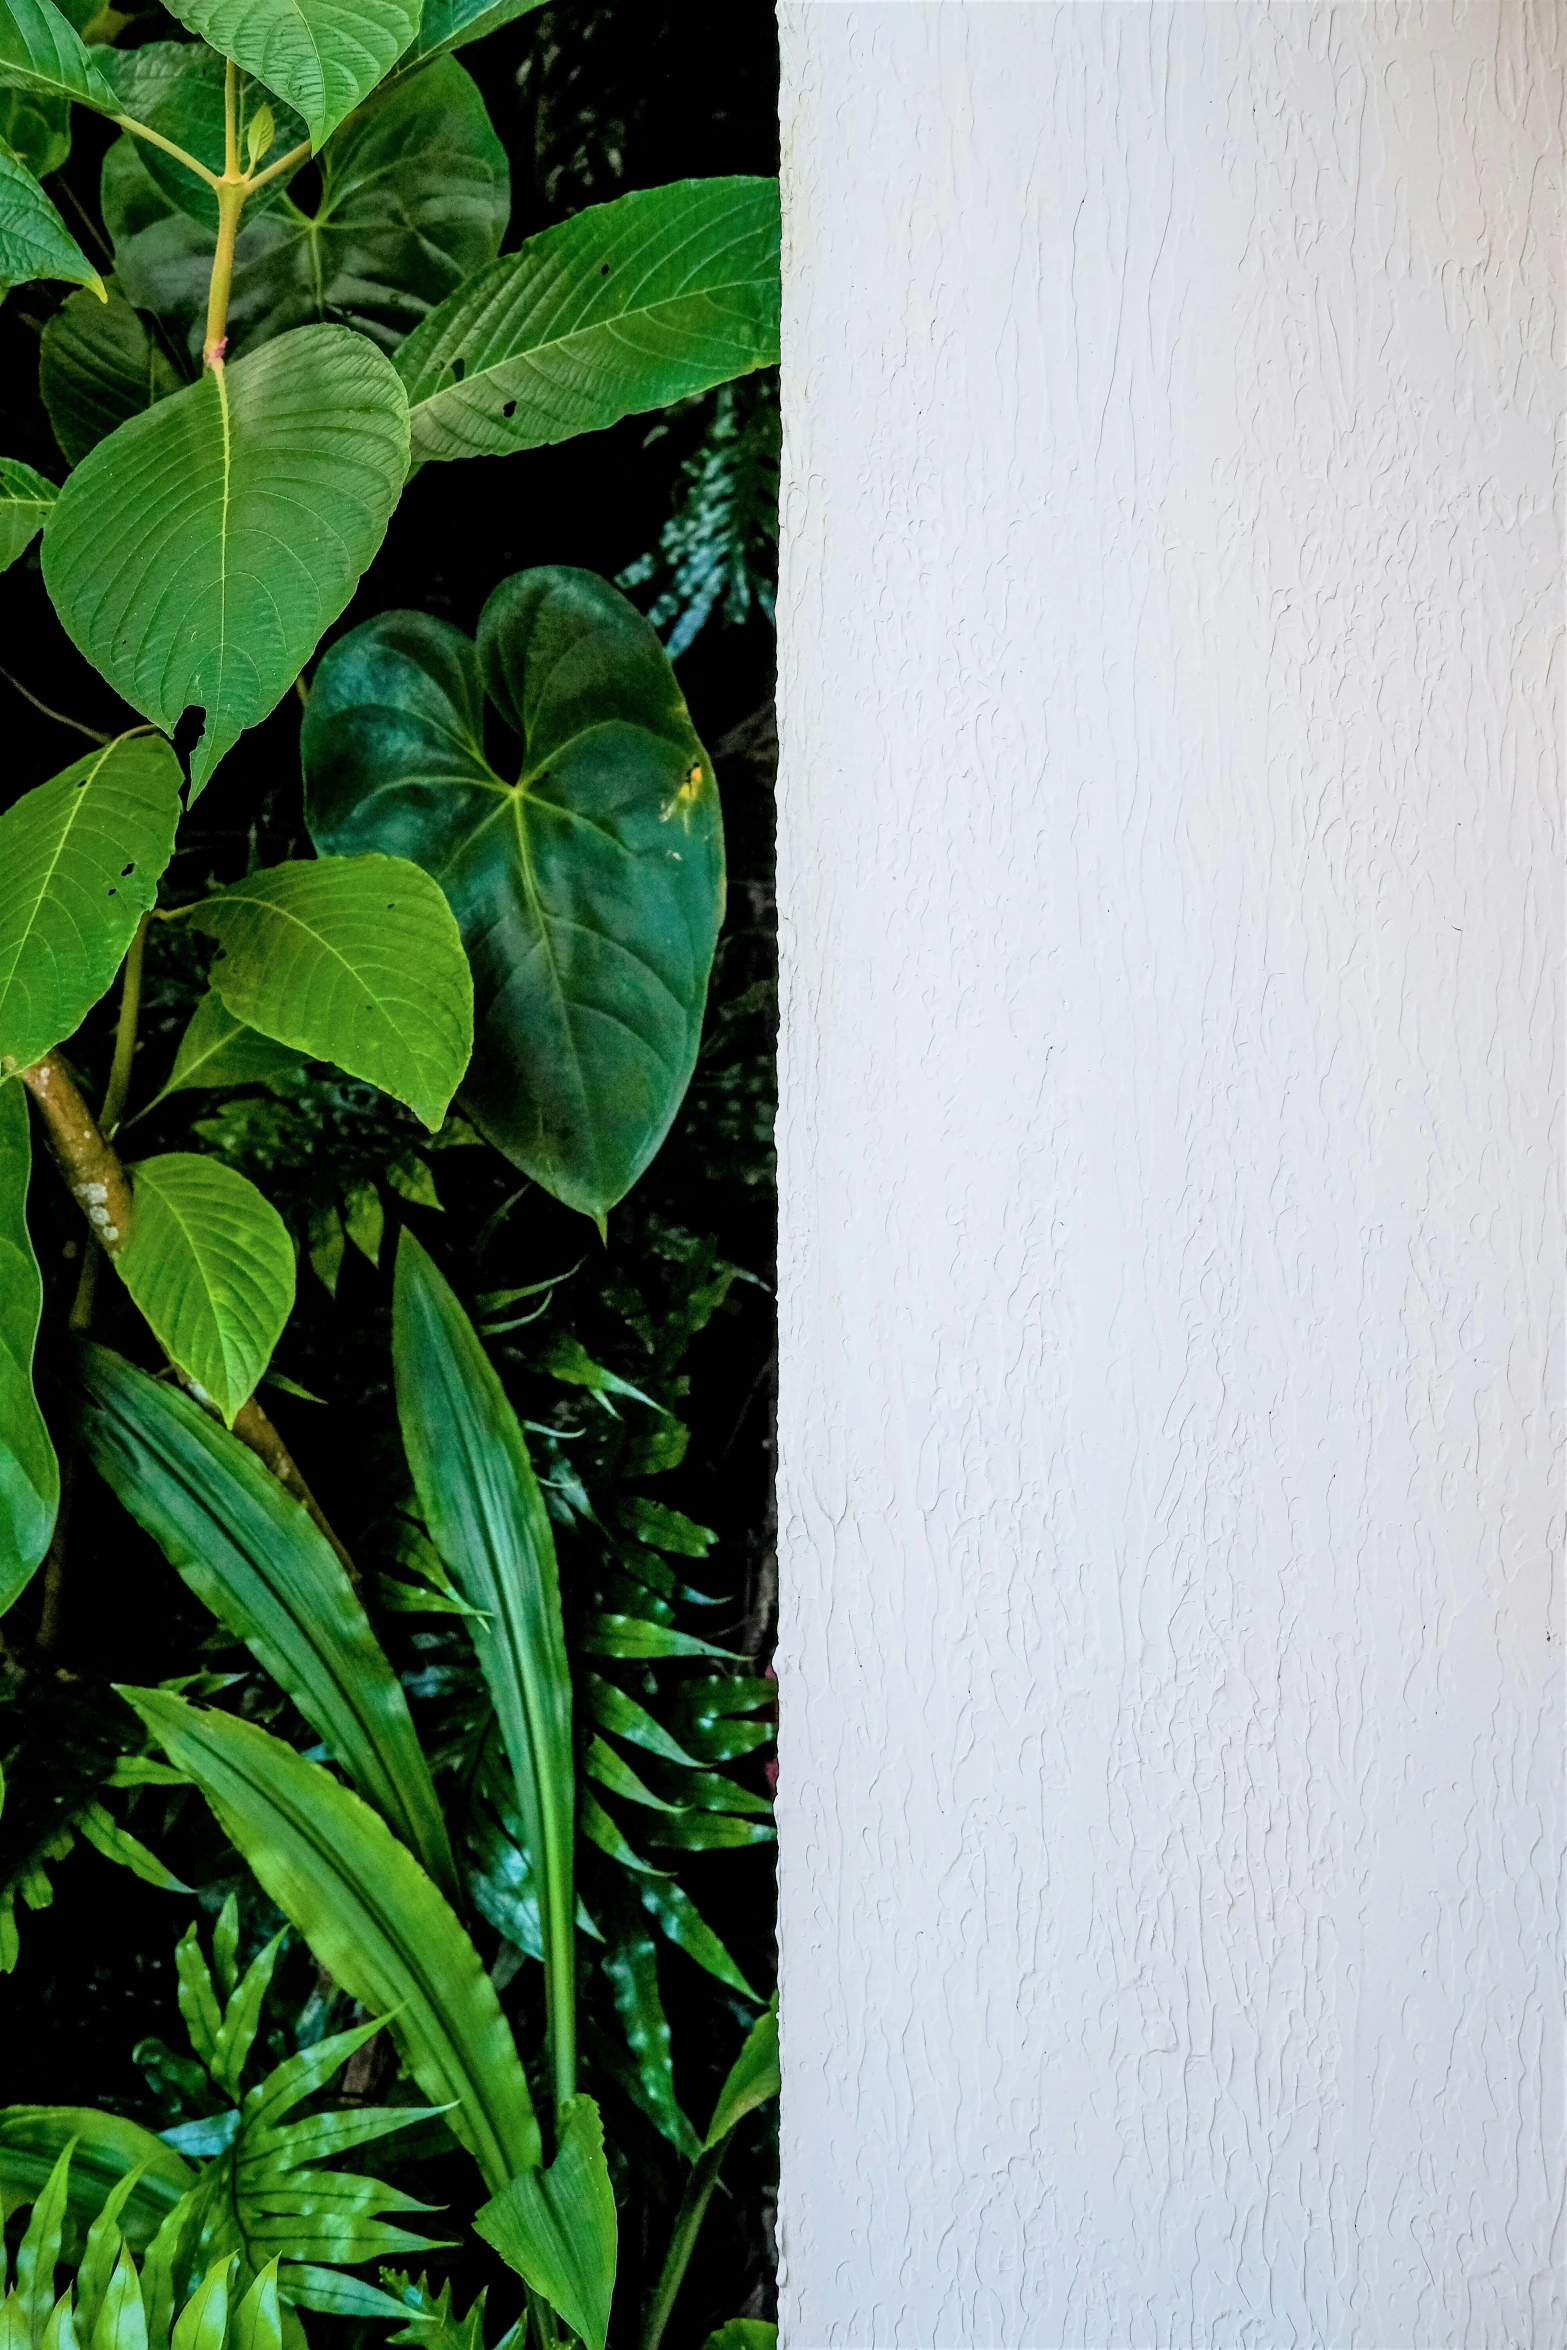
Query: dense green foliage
x: 413, y: 1086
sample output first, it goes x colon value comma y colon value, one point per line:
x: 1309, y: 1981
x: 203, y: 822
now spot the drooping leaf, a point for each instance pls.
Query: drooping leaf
x: 108, y: 2151
x: 177, y: 88
x: 204, y: 2320
x: 34, y: 240
x: 287, y: 466
x: 102, y: 1830
x: 25, y: 500
x: 622, y: 308
x: 211, y: 1266
x: 589, y: 894
x: 557, y: 2228
x: 80, y: 858
x: 414, y: 197
x: 752, y: 2080
x: 486, y: 1515
x: 322, y: 56
x: 216, y: 1049
x: 29, y: 1472
x: 452, y: 24
x: 250, y: 1553
x: 97, y: 366
x: 355, y: 960
x: 36, y: 129
x: 41, y: 50
x: 631, y: 1963
x: 370, y: 1914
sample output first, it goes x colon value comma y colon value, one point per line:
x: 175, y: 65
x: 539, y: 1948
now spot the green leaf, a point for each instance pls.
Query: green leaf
x: 121, y: 2323
x: 103, y: 1831
x: 589, y: 894
x: 665, y: 1529
x: 36, y: 129
x: 25, y: 500
x: 211, y: 1266
x: 753, y: 2077
x: 601, y: 1762
x: 364, y: 1218
x: 633, y: 1636
x: 97, y: 366
x: 198, y: 2001
x: 29, y: 1472
x: 322, y: 56
x: 251, y: 1554
x: 414, y: 197
x: 486, y: 1515
x: 664, y: 1900
x: 80, y: 858
x: 557, y: 2228
x: 625, y: 307
x: 100, y: 2257
x: 34, y: 240
x: 242, y: 2018
x: 177, y: 88
x: 204, y: 2320
x: 41, y: 50
x: 216, y: 1049
x: 709, y: 1831
x: 370, y: 1914
x: 451, y: 24
x: 613, y: 1710
x: 287, y: 467
x: 258, y: 2321
x: 631, y: 1963
x: 40, y: 2248
x: 355, y: 960
x: 566, y: 1358
x: 744, y: 2333
x: 109, y: 2150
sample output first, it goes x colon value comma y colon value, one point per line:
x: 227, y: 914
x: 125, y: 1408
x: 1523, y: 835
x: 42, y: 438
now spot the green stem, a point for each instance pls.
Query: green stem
x: 232, y: 189
x: 141, y: 130
x: 283, y: 163
x: 688, y: 2223
x: 119, y: 1087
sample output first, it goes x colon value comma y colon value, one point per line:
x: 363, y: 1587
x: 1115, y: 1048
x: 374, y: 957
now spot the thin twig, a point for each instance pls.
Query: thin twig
x: 299, y: 154
x: 128, y: 122
x: 92, y: 733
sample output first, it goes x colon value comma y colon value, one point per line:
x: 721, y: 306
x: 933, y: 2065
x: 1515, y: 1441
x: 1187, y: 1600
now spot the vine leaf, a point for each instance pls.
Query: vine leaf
x: 451, y: 24
x: 80, y: 858
x: 29, y: 1472
x: 625, y: 307
x: 210, y: 1264
x: 322, y: 56
x: 589, y: 893
x: 557, y: 2228
x: 97, y: 366
x: 355, y: 960
x: 25, y: 500
x: 197, y: 554
x: 34, y: 240
x: 40, y: 50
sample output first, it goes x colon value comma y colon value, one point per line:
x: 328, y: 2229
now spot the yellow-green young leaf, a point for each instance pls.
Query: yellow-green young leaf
x: 80, y: 858
x: 40, y: 2246
x: 121, y: 2322
x: 371, y: 1915
x: 216, y: 1049
x: 197, y: 554
x: 753, y: 2077
x: 203, y: 2322
x: 25, y: 500
x: 557, y: 2228
x: 356, y: 960
x: 322, y: 56
x: 29, y: 1472
x: 41, y: 50
x: 258, y: 2321
x: 60, y: 2332
x: 97, y: 365
x: 34, y: 240
x: 624, y: 307
x: 103, y: 1831
x: 211, y: 1266
x: 744, y: 2333
x: 452, y: 24
x: 109, y: 2153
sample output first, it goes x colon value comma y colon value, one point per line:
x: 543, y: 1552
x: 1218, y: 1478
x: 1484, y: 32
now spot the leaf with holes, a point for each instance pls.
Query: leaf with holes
x: 25, y: 500
x: 34, y: 240
x: 589, y: 893
x: 210, y: 1264
x: 355, y: 960
x: 40, y: 50
x: 323, y: 56
x: 197, y: 554
x: 97, y: 366
x: 29, y: 1473
x: 624, y: 307
x: 80, y: 859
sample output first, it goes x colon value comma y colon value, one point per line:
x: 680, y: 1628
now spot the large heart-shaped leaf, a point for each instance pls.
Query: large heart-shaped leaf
x: 34, y: 240
x: 371, y: 1916
x: 210, y: 1264
x: 197, y: 554
x: 80, y: 859
x: 177, y: 89
x: 452, y: 24
x: 29, y: 1473
x: 98, y: 365
x: 414, y: 197
x: 323, y: 56
x: 355, y: 960
x: 25, y: 500
x: 41, y: 50
x: 589, y: 893
x: 557, y: 2228
x: 626, y: 306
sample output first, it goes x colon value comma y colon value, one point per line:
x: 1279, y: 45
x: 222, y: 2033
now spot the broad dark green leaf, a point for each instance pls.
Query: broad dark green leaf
x: 41, y: 50
x: 251, y: 1554
x: 108, y: 2150
x: 624, y: 307
x: 36, y: 129
x: 34, y: 240
x: 29, y: 1472
x: 322, y: 56
x: 210, y: 1264
x: 557, y: 2228
x: 414, y: 198
x: 80, y: 859
x: 355, y: 960
x: 176, y: 88
x: 25, y: 500
x: 589, y: 893
x: 452, y: 24
x: 216, y: 1049
x: 287, y: 466
x: 486, y: 1515
x: 97, y: 366
x: 371, y: 1915
x: 753, y: 2077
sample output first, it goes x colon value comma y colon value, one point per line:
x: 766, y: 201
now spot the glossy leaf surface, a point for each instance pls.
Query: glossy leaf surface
x: 36, y: 129
x: 355, y: 960
x: 251, y: 1553
x: 321, y: 56
x: 210, y: 1264
x: 41, y: 50
x: 589, y: 893
x: 80, y: 859
x: 29, y: 1472
x: 451, y: 24
x: 622, y: 308
x: 34, y: 240
x: 25, y: 500
x: 370, y: 1914
x: 753, y: 2078
x: 97, y: 366
x: 197, y: 554
x: 107, y: 2149
x: 557, y: 2228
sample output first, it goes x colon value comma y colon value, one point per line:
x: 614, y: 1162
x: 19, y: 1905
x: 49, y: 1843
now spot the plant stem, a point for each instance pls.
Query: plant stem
x: 140, y: 130
x: 124, y: 1036
x: 682, y: 2243
x: 284, y: 163
x: 232, y: 190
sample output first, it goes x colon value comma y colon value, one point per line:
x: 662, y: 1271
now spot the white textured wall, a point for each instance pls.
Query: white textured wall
x: 1172, y: 1759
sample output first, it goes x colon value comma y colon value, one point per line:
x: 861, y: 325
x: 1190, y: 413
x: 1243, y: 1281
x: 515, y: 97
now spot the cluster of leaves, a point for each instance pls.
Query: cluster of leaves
x: 719, y: 549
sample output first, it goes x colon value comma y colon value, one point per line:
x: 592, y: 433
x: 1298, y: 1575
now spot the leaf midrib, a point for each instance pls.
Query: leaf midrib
x: 79, y: 798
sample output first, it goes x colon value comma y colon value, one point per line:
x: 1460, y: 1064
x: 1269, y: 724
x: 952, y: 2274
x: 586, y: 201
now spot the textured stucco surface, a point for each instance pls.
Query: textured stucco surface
x: 1172, y: 1762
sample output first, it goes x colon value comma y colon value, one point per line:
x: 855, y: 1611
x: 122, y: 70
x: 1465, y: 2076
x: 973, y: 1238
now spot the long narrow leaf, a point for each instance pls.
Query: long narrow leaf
x: 371, y: 1915
x: 107, y: 2148
x: 252, y: 1555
